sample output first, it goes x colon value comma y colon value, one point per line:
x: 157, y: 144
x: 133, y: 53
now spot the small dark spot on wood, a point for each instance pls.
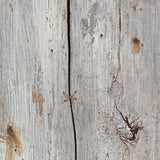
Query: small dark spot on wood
x: 106, y: 129
x: 136, y: 40
x: 142, y: 45
x: 134, y: 7
x: 10, y: 131
x: 107, y: 155
x: 11, y: 7
x: 101, y: 35
x: 52, y: 50
x: 140, y: 9
x: 15, y: 150
x: 136, y: 45
x: 146, y: 151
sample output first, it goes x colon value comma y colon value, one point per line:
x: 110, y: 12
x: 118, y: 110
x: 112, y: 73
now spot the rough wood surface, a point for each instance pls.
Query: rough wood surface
x: 115, y: 65
x: 114, y: 80
x: 35, y: 123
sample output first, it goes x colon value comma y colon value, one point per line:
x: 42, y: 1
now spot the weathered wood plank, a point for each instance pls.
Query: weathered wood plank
x: 33, y: 77
x: 141, y: 74
x: 114, y: 68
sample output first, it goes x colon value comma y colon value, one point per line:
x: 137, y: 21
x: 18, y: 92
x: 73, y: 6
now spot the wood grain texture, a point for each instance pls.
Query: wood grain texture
x: 115, y: 69
x: 114, y: 80
x: 35, y: 123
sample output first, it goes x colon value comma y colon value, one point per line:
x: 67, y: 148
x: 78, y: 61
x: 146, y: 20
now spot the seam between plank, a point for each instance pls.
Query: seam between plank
x: 69, y: 77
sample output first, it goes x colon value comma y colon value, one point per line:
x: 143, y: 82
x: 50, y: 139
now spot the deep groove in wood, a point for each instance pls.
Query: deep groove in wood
x: 69, y: 76
x: 119, y: 46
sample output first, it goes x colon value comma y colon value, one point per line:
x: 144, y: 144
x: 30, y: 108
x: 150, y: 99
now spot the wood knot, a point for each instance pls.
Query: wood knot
x: 13, y: 143
x: 10, y: 131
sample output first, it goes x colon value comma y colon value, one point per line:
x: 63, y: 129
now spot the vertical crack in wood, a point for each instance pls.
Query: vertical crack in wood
x: 133, y: 128
x: 119, y: 46
x: 69, y: 76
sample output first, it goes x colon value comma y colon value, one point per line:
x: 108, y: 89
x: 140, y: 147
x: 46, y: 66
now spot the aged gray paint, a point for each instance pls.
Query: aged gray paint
x: 115, y: 61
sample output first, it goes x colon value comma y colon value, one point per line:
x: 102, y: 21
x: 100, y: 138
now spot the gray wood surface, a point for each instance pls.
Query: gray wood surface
x: 114, y: 80
x: 115, y: 63
x: 35, y: 123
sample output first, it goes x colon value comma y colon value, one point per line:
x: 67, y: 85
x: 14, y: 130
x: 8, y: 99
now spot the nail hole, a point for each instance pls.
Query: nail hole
x: 101, y: 35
